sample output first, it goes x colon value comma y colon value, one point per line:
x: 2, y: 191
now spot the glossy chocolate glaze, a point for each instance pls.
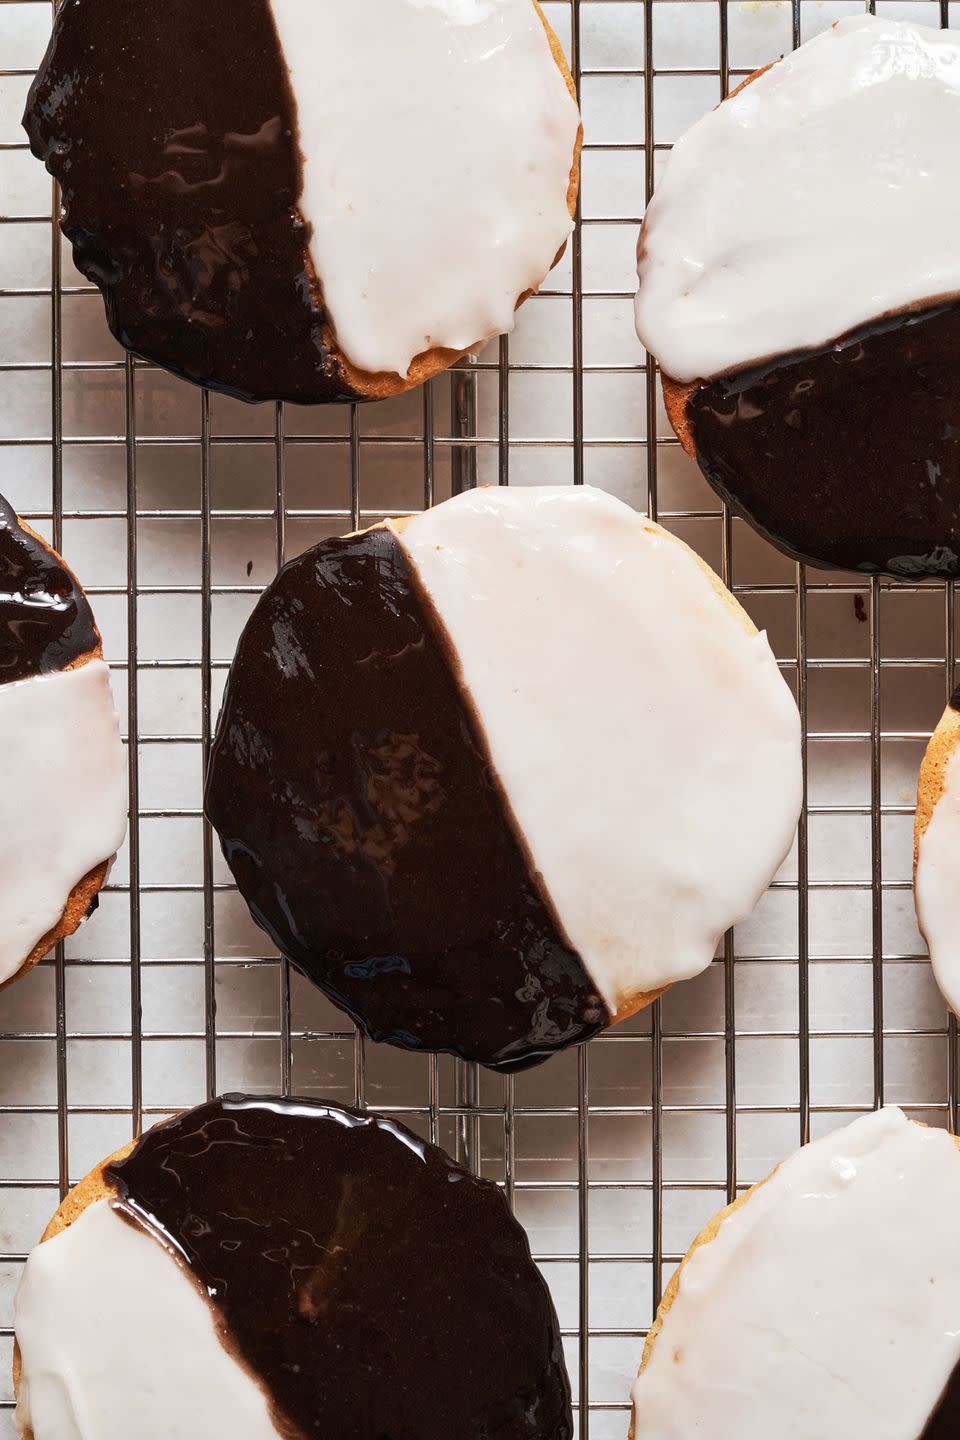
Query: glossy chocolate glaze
x: 45, y: 621
x: 172, y: 131
x: 944, y: 1423
x: 372, y: 1286
x: 358, y: 810
x: 848, y: 456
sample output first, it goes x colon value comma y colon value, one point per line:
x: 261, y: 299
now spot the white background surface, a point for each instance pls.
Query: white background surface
x: 734, y: 1034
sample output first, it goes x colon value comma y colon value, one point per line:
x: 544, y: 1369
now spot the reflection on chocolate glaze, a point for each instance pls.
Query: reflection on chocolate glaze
x: 358, y: 810
x: 372, y: 1286
x: 847, y: 456
x: 171, y: 128
x: 45, y: 621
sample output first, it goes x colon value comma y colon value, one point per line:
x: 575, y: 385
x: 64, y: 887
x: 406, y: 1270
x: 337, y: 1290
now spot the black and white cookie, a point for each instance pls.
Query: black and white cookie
x: 824, y: 1303
x: 63, y: 812
x: 937, y: 852
x: 497, y: 775
x: 259, y: 1268
x: 800, y: 288
x: 291, y: 200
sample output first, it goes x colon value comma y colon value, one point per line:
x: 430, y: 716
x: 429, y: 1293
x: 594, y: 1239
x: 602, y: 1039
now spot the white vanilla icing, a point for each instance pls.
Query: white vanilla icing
x: 826, y: 1306
x: 63, y: 798
x: 822, y: 196
x: 937, y: 885
x: 647, y: 744
x: 116, y: 1340
x: 438, y: 138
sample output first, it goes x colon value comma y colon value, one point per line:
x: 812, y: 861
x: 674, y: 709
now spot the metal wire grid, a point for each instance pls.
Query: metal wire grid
x: 591, y: 1149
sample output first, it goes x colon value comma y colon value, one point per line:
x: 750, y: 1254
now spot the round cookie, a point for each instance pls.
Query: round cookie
x: 63, y: 803
x: 936, y: 838
x: 823, y: 1301
x: 262, y: 1267
x: 291, y: 201
x: 799, y: 288
x: 497, y: 775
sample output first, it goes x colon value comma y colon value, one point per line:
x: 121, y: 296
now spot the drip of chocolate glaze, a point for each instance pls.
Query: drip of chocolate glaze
x: 45, y: 621
x: 373, y: 1287
x: 171, y: 128
x: 359, y: 812
x: 846, y: 456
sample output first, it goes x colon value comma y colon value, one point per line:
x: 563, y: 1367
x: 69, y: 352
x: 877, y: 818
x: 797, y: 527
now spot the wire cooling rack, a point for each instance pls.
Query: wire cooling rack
x: 176, y: 507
